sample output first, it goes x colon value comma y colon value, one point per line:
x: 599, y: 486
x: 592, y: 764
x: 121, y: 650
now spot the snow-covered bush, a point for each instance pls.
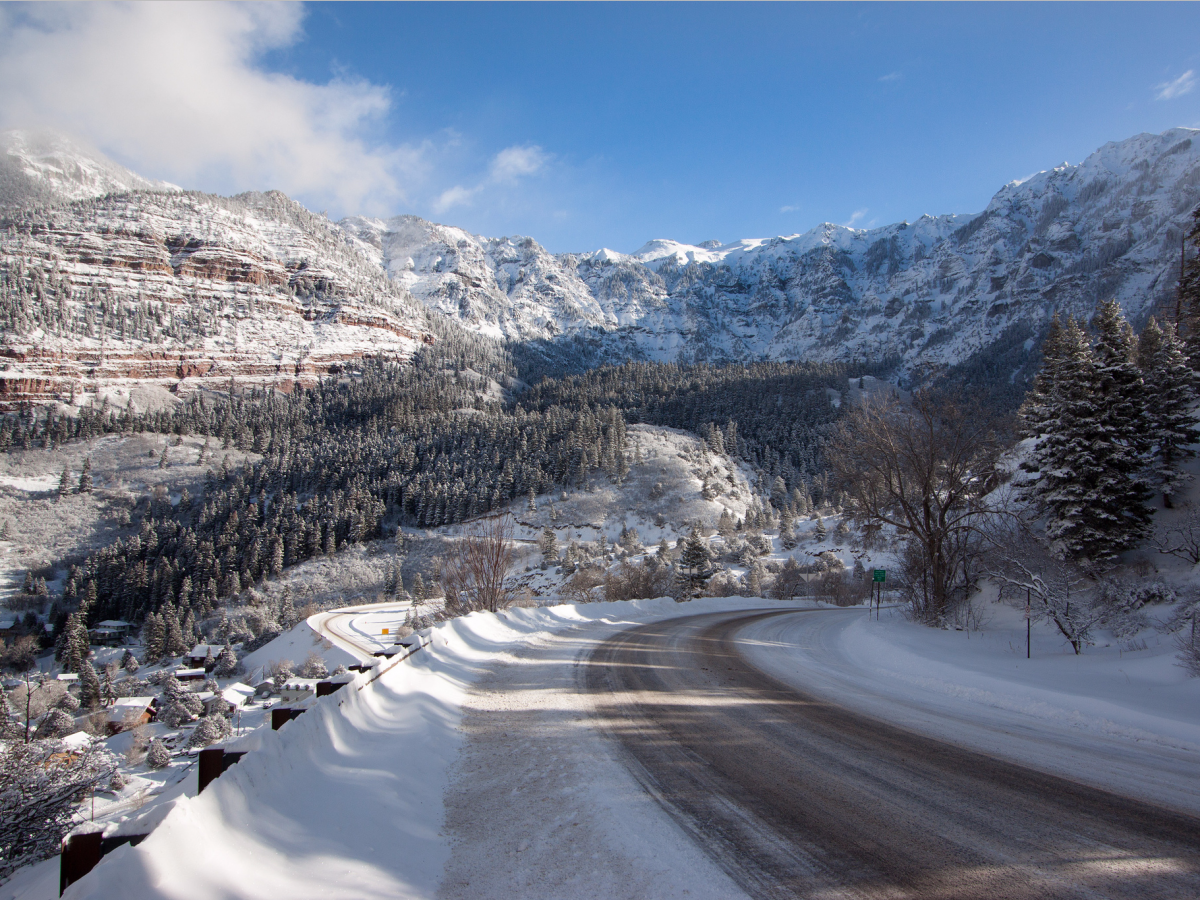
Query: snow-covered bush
x: 281, y: 670
x: 342, y: 670
x: 40, y: 784
x: 130, y: 663
x: 314, y: 666
x: 175, y: 714
x: 56, y: 724
x: 158, y: 756
x: 209, y: 730
x: 227, y: 663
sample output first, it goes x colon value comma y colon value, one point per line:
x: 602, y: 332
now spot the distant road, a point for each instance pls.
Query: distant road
x: 795, y: 796
x: 359, y: 629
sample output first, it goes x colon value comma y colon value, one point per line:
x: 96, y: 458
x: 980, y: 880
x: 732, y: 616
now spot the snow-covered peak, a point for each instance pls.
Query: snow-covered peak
x: 48, y: 166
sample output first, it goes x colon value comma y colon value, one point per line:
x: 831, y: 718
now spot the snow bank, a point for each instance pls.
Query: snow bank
x: 1123, y: 721
x: 346, y: 800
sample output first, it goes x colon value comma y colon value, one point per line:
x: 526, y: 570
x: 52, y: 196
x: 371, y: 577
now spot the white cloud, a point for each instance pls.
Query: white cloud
x: 855, y: 217
x: 455, y: 196
x: 506, y: 168
x: 176, y: 91
x: 891, y: 76
x: 788, y: 209
x: 513, y: 162
x: 1169, y: 90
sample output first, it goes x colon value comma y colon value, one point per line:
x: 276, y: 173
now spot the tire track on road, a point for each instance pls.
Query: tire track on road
x: 798, y: 797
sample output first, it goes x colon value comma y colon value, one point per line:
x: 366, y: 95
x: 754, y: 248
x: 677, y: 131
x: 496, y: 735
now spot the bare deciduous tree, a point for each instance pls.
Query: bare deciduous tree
x: 1182, y: 540
x: 924, y: 469
x: 475, y: 572
x: 1058, y: 590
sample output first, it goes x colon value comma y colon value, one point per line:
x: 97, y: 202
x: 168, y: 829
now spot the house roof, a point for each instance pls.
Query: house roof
x: 113, y: 623
x: 206, y: 650
x: 237, y: 693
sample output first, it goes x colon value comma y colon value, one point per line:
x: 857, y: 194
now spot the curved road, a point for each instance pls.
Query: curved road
x: 795, y: 796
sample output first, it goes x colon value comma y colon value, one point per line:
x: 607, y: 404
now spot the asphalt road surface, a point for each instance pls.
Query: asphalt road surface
x: 797, y: 797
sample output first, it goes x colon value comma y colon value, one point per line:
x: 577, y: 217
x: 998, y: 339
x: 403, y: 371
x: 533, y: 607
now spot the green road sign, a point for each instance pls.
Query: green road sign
x: 880, y: 575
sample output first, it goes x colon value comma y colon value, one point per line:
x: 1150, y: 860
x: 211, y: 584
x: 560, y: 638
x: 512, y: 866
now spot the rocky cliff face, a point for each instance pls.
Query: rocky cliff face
x: 106, y: 278
x: 188, y: 290
x: 931, y: 292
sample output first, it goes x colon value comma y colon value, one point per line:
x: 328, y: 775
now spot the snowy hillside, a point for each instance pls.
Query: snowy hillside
x: 47, y: 167
x: 931, y: 291
x: 180, y: 289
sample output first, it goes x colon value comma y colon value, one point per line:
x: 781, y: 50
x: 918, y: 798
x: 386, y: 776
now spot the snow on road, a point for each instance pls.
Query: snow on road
x: 473, y: 769
x: 347, y: 800
x: 1126, y: 722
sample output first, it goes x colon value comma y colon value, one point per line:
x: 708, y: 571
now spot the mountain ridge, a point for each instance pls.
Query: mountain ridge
x: 292, y: 294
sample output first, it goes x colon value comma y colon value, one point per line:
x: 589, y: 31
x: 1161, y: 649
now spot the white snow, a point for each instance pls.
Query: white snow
x: 1124, y: 721
x: 351, y: 799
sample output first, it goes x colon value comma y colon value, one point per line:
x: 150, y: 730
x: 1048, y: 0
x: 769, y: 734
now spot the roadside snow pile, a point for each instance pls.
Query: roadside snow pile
x: 1124, y: 719
x: 346, y: 800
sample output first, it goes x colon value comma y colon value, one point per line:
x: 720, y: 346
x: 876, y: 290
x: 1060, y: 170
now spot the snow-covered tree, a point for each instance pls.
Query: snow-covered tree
x: 209, y: 730
x: 314, y: 666
x: 56, y: 723
x: 154, y: 637
x: 548, y: 544
x: 85, y: 476
x: 1092, y: 448
x: 695, y: 564
x: 90, y: 689
x: 227, y: 662
x: 175, y: 714
x: 158, y: 756
x: 1171, y: 422
x: 40, y: 784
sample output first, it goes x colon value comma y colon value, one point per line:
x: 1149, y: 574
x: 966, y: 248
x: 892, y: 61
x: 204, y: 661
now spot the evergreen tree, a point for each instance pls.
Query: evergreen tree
x: 90, y: 690
x: 694, y: 564
x: 64, y: 483
x: 159, y: 756
x: 154, y: 637
x: 1170, y: 384
x: 1038, y: 408
x: 85, y: 476
x: 1090, y: 455
x: 227, y: 662
x: 77, y: 644
x: 548, y: 544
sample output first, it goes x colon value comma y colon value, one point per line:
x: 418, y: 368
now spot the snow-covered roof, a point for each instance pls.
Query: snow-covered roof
x: 129, y: 708
x: 205, y: 650
x: 80, y: 740
x: 137, y: 702
x: 237, y: 693
x: 67, y: 676
x: 188, y: 673
x: 113, y: 623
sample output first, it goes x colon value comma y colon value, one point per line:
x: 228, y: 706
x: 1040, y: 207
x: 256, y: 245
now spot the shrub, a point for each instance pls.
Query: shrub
x: 159, y: 756
x: 209, y: 730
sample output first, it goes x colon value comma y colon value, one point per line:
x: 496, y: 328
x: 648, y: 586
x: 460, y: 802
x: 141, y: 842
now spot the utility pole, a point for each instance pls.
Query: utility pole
x: 1028, y: 628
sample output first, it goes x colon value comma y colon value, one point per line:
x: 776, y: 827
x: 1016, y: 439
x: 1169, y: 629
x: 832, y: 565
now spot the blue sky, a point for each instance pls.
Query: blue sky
x: 608, y: 125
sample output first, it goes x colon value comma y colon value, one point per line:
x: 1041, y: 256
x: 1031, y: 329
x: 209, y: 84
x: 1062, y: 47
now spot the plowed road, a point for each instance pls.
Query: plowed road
x: 798, y: 797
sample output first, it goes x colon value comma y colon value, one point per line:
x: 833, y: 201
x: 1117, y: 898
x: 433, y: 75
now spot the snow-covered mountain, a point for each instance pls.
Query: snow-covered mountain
x: 931, y: 291
x: 106, y: 278
x: 105, y: 275
x: 44, y: 166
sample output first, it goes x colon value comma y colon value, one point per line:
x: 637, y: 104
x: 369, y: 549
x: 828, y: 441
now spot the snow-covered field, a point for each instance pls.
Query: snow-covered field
x: 362, y: 796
